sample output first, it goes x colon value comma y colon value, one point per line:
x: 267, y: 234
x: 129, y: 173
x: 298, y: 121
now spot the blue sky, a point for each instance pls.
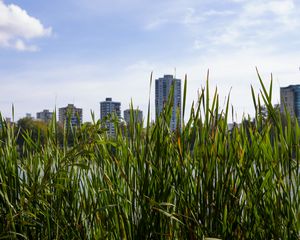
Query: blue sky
x: 80, y: 51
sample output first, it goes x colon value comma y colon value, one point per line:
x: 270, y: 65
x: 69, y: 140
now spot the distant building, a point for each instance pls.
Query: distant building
x: 233, y: 125
x: 28, y: 115
x: 137, y: 115
x: 44, y: 116
x: 70, y: 113
x: 108, y: 108
x: 290, y: 99
x: 162, y: 90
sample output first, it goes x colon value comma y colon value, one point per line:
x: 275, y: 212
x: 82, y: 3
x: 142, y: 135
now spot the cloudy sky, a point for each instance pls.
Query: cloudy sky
x: 80, y: 51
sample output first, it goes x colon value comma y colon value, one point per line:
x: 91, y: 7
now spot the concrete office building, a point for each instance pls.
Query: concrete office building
x: 107, y: 109
x: 70, y: 113
x: 162, y: 90
x: 138, y: 115
x: 44, y: 116
x: 290, y: 99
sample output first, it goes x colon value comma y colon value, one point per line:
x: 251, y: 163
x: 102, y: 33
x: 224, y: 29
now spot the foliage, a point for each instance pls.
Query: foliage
x: 36, y: 129
x: 201, y: 181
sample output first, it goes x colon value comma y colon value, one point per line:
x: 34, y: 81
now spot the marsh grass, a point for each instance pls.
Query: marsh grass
x: 199, y: 181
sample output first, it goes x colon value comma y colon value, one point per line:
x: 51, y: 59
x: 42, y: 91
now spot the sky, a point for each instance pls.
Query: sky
x: 53, y: 53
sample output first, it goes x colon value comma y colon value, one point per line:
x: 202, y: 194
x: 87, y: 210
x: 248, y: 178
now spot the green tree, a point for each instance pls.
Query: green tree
x: 37, y: 130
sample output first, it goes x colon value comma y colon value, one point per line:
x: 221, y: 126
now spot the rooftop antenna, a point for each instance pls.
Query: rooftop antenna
x: 175, y: 72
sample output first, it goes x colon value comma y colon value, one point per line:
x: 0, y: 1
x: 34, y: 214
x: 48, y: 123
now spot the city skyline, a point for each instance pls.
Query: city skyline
x: 90, y: 49
x: 289, y: 101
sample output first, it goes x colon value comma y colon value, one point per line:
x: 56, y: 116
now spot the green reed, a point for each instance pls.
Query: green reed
x: 151, y: 183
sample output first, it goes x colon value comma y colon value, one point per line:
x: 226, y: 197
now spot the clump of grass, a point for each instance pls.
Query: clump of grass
x: 200, y: 181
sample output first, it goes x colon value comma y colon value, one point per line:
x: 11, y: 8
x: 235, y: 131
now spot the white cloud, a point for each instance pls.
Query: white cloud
x: 219, y: 13
x: 191, y: 17
x: 21, y: 46
x: 277, y: 7
x: 17, y: 28
x: 257, y: 22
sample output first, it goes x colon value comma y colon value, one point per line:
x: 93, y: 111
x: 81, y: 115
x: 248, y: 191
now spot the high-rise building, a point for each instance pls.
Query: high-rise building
x: 109, y: 108
x: 162, y: 89
x: 28, y: 115
x: 290, y: 99
x: 70, y: 113
x: 44, y: 116
x: 137, y: 115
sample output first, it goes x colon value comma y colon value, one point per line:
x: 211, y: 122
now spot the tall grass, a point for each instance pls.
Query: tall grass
x: 200, y: 181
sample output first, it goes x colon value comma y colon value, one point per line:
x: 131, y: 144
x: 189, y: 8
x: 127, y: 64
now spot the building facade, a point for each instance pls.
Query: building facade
x: 28, y: 115
x: 137, y: 116
x: 44, y: 116
x: 107, y: 109
x: 70, y: 113
x: 163, y: 87
x: 290, y: 99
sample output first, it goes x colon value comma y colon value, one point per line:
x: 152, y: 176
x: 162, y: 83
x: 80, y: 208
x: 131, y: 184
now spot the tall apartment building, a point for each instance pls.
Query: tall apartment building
x: 70, y: 113
x: 28, y: 115
x: 290, y: 98
x: 44, y: 116
x: 162, y: 90
x: 109, y: 107
x: 137, y: 115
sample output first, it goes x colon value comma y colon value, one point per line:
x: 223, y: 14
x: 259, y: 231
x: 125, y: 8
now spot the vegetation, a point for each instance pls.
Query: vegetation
x: 201, y: 181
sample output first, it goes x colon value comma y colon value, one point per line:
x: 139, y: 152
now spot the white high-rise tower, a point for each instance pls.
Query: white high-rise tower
x: 162, y: 90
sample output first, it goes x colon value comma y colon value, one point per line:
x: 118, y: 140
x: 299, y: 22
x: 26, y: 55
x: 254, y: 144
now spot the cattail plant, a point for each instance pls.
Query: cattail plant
x: 202, y: 181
